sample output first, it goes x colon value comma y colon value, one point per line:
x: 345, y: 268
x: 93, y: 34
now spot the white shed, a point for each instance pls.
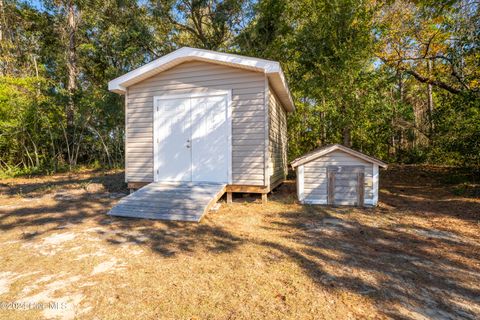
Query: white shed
x: 337, y: 175
x: 203, y: 116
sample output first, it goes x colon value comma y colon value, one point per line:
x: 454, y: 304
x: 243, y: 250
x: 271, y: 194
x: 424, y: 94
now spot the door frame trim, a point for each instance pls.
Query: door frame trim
x: 208, y: 93
x: 331, y: 183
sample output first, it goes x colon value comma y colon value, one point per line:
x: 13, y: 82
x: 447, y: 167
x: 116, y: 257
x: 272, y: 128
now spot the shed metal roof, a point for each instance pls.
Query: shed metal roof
x: 317, y: 153
x: 272, y: 69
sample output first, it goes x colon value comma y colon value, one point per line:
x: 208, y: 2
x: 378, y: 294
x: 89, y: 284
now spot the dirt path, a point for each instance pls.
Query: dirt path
x: 416, y: 256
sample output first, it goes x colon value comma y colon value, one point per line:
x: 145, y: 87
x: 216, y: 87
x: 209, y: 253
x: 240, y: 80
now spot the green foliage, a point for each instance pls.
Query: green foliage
x: 336, y: 57
x: 28, y: 118
x: 398, y: 80
x: 457, y: 131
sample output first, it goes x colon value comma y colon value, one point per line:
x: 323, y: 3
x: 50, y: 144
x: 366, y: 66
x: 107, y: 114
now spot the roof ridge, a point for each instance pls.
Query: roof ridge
x: 321, y: 151
x: 271, y: 68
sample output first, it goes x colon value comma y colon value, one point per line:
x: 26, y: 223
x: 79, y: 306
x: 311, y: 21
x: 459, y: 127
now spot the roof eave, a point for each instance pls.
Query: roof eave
x: 277, y: 78
x: 114, y: 87
x: 271, y: 68
x: 305, y: 159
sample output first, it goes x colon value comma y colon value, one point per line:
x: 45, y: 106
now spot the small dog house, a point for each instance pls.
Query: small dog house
x: 337, y: 175
x: 203, y: 116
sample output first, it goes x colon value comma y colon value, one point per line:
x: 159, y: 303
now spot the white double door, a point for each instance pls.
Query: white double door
x: 192, y: 138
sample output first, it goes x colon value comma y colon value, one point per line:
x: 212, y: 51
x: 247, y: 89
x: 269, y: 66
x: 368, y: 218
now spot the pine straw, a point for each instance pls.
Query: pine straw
x: 415, y: 256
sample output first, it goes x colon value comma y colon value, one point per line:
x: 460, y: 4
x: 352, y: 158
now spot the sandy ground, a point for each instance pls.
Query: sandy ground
x: 415, y: 256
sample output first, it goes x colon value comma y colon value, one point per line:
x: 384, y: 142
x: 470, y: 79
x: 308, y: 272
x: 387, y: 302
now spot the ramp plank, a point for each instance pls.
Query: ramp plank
x: 170, y: 201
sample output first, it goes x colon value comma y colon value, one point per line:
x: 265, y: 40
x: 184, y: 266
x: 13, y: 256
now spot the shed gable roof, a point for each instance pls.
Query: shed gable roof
x: 272, y: 69
x: 315, y: 154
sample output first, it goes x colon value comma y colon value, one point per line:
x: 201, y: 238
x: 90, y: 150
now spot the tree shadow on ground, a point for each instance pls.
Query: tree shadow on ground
x: 69, y: 205
x: 111, y: 182
x: 428, y: 204
x: 421, y: 190
x: 168, y: 238
x: 397, y: 265
x: 55, y: 215
x: 409, y: 271
x: 401, y: 267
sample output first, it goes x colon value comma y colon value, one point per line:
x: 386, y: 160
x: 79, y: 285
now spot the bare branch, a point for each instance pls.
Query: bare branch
x: 421, y: 78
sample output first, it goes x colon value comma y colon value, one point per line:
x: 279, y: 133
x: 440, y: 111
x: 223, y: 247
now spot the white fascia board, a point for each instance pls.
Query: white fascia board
x: 116, y: 84
x: 184, y: 54
x: 310, y: 157
x: 317, y: 154
x: 265, y: 65
x: 271, y: 68
x: 116, y: 88
x: 279, y: 84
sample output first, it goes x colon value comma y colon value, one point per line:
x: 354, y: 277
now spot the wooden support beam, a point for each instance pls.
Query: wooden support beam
x: 247, y: 189
x: 229, y: 197
x: 137, y: 185
x: 264, y: 198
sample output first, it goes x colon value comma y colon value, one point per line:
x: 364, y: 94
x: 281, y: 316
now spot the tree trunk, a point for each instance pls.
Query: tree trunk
x: 323, y: 134
x: 72, y: 69
x: 401, y: 93
x: 430, y: 101
x: 346, y: 128
x: 415, y: 127
x: 35, y: 150
x: 105, y: 148
x: 3, y: 71
x: 401, y: 97
x: 54, y: 153
x: 2, y: 20
x: 347, y: 137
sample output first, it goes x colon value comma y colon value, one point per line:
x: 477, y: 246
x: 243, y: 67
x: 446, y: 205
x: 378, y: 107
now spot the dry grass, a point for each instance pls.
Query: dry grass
x: 415, y: 256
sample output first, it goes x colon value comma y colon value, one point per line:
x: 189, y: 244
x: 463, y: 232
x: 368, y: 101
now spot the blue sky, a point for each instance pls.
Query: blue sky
x: 35, y: 3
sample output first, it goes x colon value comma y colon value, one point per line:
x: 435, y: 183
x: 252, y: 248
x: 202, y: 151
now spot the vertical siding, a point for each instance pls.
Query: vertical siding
x: 278, y: 142
x: 125, y: 141
x: 248, y: 116
x: 315, y: 174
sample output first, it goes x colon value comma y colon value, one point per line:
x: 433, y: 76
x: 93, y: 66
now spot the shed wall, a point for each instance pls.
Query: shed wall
x: 315, y: 175
x: 278, y: 141
x: 248, y: 117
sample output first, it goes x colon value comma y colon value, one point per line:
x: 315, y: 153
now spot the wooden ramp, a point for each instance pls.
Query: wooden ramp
x: 170, y: 201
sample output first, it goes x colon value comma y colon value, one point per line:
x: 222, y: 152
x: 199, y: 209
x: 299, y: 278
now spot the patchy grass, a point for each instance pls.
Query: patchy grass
x: 415, y: 256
